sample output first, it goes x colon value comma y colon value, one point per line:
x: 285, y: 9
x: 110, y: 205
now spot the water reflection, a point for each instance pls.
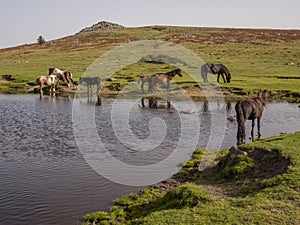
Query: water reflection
x: 155, y: 102
x: 45, y: 180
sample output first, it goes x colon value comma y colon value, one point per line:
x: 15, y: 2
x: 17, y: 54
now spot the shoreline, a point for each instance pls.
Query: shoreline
x: 194, y: 92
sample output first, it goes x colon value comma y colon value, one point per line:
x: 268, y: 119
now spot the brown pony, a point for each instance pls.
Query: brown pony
x: 249, y: 109
x: 163, y: 78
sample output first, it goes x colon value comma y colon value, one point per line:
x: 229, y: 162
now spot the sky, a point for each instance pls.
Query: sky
x: 22, y: 22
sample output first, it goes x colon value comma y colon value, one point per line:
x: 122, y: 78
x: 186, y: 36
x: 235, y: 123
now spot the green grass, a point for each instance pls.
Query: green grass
x: 256, y: 58
x: 234, y: 191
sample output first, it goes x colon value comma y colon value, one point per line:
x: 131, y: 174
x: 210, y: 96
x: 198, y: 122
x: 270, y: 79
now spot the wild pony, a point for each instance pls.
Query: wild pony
x: 163, y: 78
x: 143, y: 80
x: 66, y: 75
x: 51, y: 81
x: 219, y: 69
x: 249, y: 109
x: 89, y: 82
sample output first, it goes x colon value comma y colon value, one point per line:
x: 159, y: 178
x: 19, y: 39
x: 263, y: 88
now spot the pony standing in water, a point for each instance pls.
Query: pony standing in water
x: 249, y: 109
x: 66, y: 75
x: 89, y: 81
x: 219, y: 69
x: 163, y: 78
x: 51, y: 81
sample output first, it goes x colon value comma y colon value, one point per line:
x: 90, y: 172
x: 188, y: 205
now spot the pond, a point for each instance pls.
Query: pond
x: 45, y: 177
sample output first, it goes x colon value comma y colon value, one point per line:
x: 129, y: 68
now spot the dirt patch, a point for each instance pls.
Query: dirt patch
x: 268, y: 163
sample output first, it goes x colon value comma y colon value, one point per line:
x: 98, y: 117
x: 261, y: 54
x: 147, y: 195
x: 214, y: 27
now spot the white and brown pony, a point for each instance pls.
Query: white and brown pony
x: 66, y: 75
x: 44, y: 81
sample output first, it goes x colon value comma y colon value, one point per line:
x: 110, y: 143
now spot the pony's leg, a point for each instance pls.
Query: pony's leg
x: 142, y: 87
x: 68, y: 82
x: 239, y: 134
x: 98, y: 90
x: 243, y: 134
x: 53, y: 91
x: 41, y: 91
x: 223, y: 77
x: 204, y: 76
x: 152, y: 86
x: 252, y: 130
x: 258, y: 127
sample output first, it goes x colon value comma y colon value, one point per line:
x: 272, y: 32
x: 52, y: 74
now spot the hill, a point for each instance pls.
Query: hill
x: 103, y: 25
x: 257, y: 58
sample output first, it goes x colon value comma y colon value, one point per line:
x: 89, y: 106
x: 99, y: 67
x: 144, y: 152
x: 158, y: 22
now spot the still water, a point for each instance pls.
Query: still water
x: 44, y: 178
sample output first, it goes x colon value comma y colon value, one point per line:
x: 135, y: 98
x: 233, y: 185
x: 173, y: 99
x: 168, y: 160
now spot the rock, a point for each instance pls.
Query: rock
x: 235, y: 151
x: 190, y: 111
x: 231, y: 118
x: 103, y: 25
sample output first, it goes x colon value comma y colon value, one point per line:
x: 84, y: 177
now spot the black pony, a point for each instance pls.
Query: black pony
x: 249, y: 109
x: 219, y: 69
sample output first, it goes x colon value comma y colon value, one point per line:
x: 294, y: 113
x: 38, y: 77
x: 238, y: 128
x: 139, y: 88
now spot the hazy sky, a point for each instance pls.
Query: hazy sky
x: 22, y: 21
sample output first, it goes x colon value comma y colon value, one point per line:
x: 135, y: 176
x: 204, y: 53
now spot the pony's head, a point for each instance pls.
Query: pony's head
x: 262, y: 95
x: 228, y: 77
x: 68, y: 74
x: 179, y: 72
x: 51, y: 70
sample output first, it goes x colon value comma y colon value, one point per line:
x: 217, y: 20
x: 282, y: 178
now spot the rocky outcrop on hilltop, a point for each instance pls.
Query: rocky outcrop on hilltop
x: 103, y: 25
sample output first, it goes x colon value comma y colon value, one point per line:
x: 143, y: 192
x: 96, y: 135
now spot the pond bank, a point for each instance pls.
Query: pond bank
x: 254, y: 188
x: 195, y: 92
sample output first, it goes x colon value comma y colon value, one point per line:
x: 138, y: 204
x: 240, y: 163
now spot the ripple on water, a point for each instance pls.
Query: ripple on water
x: 43, y: 176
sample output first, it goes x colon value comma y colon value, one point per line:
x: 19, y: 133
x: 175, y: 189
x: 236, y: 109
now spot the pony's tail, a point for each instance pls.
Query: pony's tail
x: 204, y: 72
x: 240, y: 120
x: 239, y: 112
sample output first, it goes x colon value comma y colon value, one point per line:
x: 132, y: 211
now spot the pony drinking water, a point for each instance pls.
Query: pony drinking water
x: 249, y: 109
x: 89, y: 81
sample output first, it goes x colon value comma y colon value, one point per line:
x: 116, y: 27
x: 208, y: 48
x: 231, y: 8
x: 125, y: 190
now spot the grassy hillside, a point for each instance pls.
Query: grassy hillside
x: 259, y: 188
x: 256, y: 58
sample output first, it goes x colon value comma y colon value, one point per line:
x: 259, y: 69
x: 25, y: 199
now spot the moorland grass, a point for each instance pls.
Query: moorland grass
x: 256, y: 58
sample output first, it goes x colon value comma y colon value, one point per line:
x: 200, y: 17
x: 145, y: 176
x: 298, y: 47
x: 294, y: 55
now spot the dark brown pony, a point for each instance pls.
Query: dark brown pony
x: 163, y: 78
x: 249, y: 109
x: 219, y: 69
